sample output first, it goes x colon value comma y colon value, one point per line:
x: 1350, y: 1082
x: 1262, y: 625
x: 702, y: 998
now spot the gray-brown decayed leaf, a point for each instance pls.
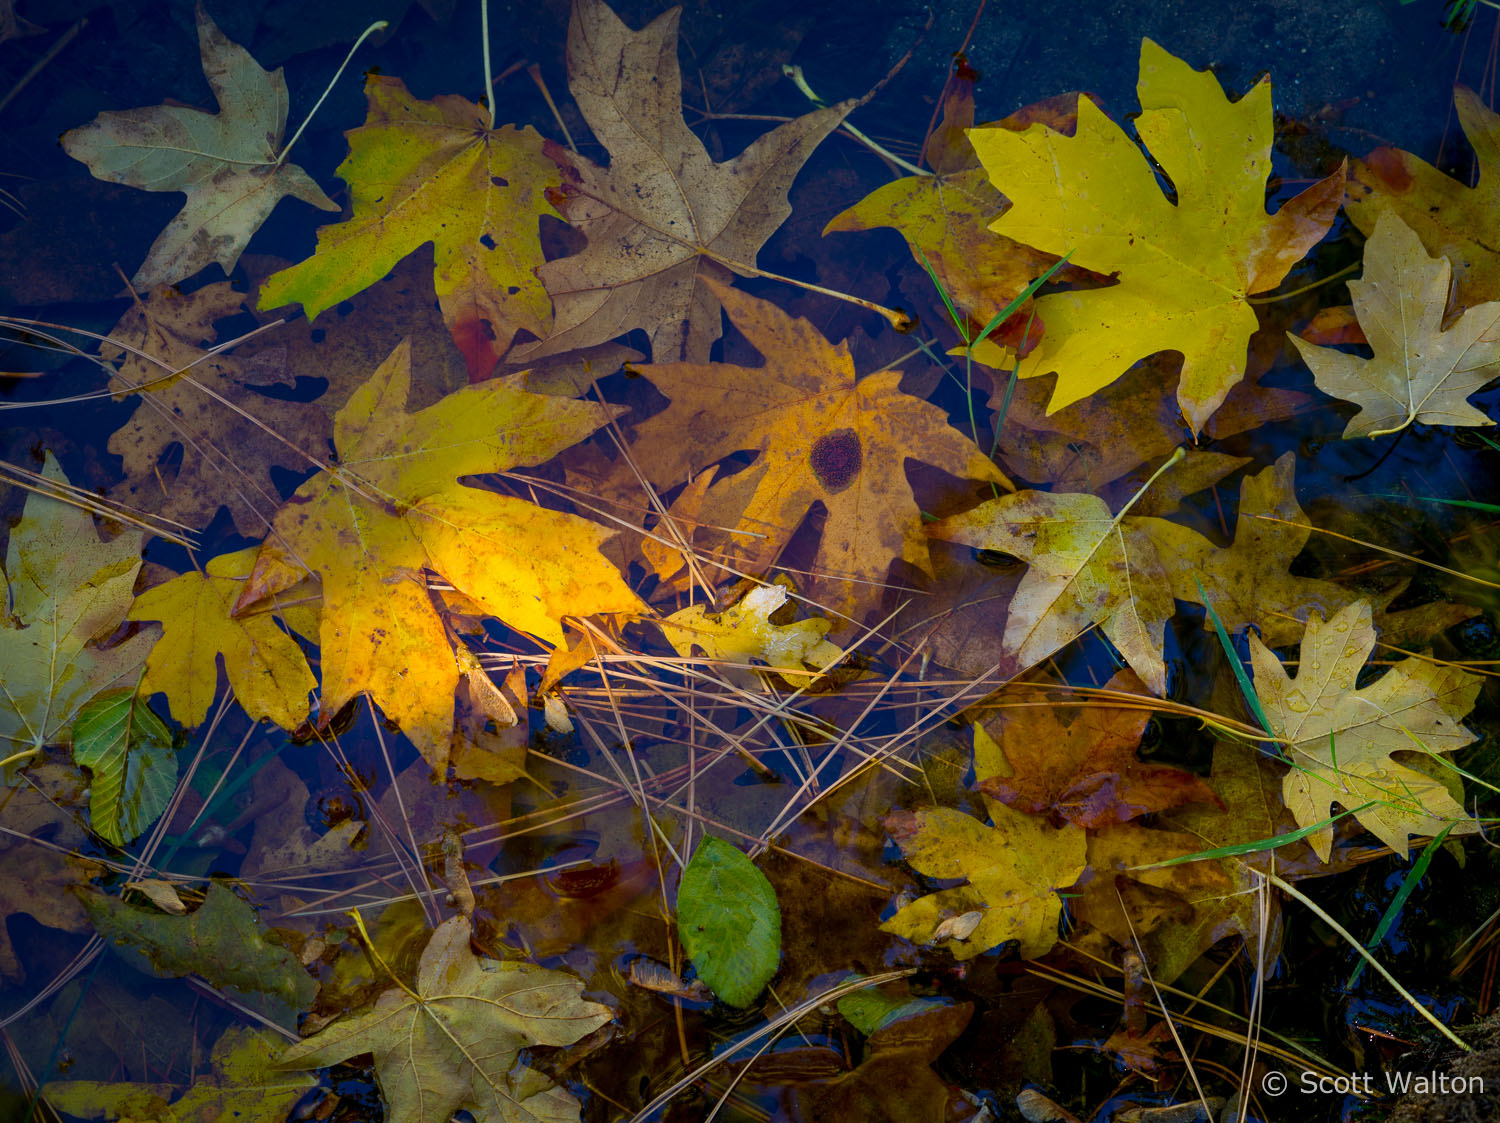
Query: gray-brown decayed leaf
x: 227, y: 458
x: 454, y: 1042
x: 1420, y: 372
x: 225, y: 162
x: 662, y: 211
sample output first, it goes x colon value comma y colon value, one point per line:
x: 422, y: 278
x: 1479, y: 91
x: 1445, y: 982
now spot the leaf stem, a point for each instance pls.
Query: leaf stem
x: 484, y: 38
x: 359, y: 923
x: 378, y: 25
x: 795, y: 74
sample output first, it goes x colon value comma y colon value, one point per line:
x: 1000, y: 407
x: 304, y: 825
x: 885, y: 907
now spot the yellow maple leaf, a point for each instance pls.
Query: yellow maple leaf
x: 393, y: 509
x: 1342, y: 741
x: 1185, y: 267
x: 266, y: 668
x: 1420, y: 371
x: 822, y: 436
x: 433, y: 171
x: 744, y: 631
x: 1013, y: 870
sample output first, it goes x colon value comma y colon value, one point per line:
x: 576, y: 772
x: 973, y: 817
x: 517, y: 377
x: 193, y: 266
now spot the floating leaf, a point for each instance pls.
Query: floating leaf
x: 129, y: 753
x: 1343, y: 741
x: 228, y: 164
x: 729, y: 922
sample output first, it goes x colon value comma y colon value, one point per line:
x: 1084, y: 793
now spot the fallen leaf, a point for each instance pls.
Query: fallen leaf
x: 40, y: 855
x: 1184, y: 266
x: 393, y: 508
x: 1250, y: 581
x: 945, y: 219
x: 234, y: 436
x: 221, y: 941
x: 242, y: 1085
x: 1125, y: 573
x: 822, y: 436
x: 454, y: 1042
x: 1447, y: 214
x: 1085, y: 567
x: 744, y: 631
x: 265, y: 667
x: 435, y: 171
x: 1342, y: 741
x: 67, y: 589
x: 229, y: 164
x: 1012, y: 870
x: 131, y: 759
x: 1084, y: 769
x: 729, y: 922
x: 1421, y: 371
x: 663, y: 217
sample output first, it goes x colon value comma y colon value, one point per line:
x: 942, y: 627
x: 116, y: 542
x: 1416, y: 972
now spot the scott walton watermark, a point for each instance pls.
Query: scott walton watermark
x: 1372, y: 1084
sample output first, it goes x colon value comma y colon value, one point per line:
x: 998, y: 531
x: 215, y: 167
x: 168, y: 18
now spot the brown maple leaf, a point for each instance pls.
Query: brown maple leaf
x: 663, y: 217
x: 1084, y: 769
x: 822, y: 437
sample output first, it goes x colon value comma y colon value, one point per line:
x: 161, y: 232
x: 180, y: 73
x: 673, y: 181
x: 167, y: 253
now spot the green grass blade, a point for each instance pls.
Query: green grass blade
x: 1238, y: 848
x: 1252, y: 699
x: 1393, y: 910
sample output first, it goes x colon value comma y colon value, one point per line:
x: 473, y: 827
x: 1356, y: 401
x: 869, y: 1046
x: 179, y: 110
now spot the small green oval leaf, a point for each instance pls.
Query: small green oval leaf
x: 729, y: 922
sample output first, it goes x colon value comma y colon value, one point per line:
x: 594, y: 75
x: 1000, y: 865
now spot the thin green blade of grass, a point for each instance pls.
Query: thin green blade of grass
x: 1236, y: 849
x: 1252, y: 699
x: 1398, y: 902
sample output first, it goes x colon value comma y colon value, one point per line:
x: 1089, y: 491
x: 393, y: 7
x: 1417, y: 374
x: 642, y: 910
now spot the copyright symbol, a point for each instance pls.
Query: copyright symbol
x: 1273, y: 1083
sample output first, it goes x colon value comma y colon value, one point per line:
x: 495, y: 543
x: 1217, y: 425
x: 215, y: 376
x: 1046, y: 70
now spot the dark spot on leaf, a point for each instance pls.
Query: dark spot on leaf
x: 836, y: 459
x: 499, y: 181
x: 486, y: 241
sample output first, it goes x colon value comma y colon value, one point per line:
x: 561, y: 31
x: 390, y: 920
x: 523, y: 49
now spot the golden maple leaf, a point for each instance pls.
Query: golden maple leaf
x: 1421, y: 371
x: 393, y: 509
x: 265, y: 666
x: 663, y: 217
x: 434, y: 171
x: 1342, y: 741
x: 1012, y: 871
x: 822, y: 436
x: 1184, y: 267
x: 1448, y: 215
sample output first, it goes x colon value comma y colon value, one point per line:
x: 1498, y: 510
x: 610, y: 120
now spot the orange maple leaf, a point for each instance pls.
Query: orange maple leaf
x: 822, y: 435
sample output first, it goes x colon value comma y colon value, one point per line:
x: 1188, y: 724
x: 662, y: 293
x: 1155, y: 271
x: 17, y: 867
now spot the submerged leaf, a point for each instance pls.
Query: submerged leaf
x: 221, y: 941
x: 243, y: 1087
x: 729, y: 922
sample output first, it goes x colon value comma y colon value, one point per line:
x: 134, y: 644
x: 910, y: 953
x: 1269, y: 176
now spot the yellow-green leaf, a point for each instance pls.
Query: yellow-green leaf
x: 434, y: 171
